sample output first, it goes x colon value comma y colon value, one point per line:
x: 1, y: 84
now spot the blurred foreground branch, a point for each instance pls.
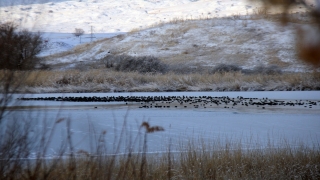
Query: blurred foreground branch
x: 308, y: 36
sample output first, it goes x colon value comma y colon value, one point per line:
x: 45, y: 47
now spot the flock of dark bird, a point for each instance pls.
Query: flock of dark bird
x: 185, y: 101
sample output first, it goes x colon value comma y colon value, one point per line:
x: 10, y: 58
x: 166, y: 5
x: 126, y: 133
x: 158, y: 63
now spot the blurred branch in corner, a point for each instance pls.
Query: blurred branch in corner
x: 308, y: 34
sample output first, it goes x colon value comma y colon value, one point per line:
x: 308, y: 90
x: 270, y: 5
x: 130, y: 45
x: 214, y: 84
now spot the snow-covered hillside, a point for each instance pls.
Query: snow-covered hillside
x: 243, y: 42
x: 234, y: 40
x: 107, y: 16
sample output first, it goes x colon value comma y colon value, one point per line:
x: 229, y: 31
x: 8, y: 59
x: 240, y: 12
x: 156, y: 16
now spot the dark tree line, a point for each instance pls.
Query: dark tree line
x: 19, y: 49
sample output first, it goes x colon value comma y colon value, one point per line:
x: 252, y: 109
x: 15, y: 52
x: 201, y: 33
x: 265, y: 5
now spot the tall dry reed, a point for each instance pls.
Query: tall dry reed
x: 102, y: 80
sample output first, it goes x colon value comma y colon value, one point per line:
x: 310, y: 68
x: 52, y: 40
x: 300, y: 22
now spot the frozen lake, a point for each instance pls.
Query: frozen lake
x: 251, y: 126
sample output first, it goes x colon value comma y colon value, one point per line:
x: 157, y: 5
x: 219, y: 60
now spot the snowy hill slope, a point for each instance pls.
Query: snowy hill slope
x: 242, y: 42
x: 237, y: 39
x: 58, y: 18
x: 108, y: 16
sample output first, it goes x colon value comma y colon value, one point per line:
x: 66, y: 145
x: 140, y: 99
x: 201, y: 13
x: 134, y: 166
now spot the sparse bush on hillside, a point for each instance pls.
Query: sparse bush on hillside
x: 78, y: 32
x: 18, y: 48
x: 141, y: 64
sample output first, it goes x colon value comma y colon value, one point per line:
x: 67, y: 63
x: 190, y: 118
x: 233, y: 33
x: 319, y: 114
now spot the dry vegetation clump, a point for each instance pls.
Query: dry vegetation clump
x: 143, y: 64
x: 230, y: 161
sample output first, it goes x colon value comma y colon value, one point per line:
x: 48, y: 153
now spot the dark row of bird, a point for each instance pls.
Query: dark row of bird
x: 184, y: 101
x: 133, y: 98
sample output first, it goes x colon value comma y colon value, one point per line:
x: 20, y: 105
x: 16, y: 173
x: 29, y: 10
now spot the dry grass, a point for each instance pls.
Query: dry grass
x: 260, y: 13
x: 170, y: 37
x: 182, y: 58
x: 122, y: 49
x: 102, y: 80
x: 134, y: 30
x: 224, y: 163
x: 275, y: 60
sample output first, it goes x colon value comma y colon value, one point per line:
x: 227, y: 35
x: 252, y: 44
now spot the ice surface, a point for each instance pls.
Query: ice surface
x: 253, y: 128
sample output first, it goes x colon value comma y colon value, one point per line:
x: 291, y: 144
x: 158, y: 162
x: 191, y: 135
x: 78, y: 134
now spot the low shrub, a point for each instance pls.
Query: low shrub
x: 19, y: 48
x: 141, y: 64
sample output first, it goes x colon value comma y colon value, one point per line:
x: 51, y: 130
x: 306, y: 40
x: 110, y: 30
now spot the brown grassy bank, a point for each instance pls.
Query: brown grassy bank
x: 194, y: 164
x: 104, y: 80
